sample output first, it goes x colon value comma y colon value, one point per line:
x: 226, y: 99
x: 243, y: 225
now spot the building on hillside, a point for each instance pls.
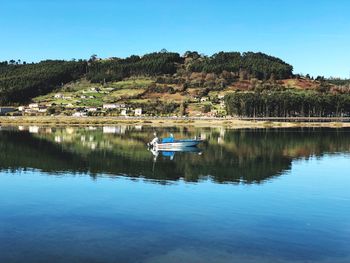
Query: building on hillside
x: 4, y: 110
x: 21, y: 108
x: 203, y: 99
x: 94, y: 89
x: 110, y: 106
x: 221, y: 96
x: 42, y: 109
x: 92, y: 109
x: 33, y: 106
x: 58, y: 96
x: 124, y: 112
x: 79, y: 114
x: 138, y: 111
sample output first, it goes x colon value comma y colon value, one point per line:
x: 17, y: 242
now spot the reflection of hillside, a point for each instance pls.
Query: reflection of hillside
x: 234, y: 156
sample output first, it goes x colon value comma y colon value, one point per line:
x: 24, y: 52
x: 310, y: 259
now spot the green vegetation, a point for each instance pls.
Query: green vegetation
x: 19, y: 83
x: 166, y: 83
x: 287, y: 104
x: 249, y: 64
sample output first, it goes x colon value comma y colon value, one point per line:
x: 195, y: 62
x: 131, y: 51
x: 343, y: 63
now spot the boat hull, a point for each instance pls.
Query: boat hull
x: 178, y: 144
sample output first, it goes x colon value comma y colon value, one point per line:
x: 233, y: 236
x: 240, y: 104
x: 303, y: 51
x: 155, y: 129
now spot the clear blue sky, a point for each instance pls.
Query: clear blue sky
x: 312, y: 35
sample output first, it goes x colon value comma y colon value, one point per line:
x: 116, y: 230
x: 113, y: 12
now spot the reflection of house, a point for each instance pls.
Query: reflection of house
x: 111, y: 129
x: 70, y: 130
x: 138, y: 111
x: 33, y: 129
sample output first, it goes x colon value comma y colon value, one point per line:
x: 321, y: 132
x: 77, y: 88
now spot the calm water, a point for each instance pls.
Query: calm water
x: 98, y: 195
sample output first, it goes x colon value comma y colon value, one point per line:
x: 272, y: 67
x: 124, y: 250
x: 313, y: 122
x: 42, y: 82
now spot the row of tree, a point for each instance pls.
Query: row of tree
x: 249, y: 64
x: 116, y: 69
x: 287, y: 104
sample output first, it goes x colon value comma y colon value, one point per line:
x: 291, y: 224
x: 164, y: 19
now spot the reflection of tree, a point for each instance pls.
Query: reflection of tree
x: 250, y: 156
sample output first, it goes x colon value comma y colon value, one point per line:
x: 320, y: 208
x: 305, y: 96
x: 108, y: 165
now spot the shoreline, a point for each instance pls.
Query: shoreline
x: 233, y: 123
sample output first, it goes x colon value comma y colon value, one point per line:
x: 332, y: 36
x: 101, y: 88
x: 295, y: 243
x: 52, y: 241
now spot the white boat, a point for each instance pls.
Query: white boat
x: 170, y: 143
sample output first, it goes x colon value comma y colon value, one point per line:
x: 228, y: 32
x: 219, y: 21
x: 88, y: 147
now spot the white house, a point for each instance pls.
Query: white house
x: 58, y: 96
x: 33, y: 106
x: 42, y: 109
x: 110, y: 106
x: 123, y: 112
x: 221, y: 96
x: 79, y: 114
x: 138, y: 111
x: 94, y: 89
x: 92, y: 109
x: 203, y: 99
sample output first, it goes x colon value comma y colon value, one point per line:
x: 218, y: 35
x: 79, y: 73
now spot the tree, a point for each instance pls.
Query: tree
x: 93, y: 58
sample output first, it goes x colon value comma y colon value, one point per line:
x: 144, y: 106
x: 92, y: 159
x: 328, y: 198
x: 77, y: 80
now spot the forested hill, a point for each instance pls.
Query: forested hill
x: 20, y: 82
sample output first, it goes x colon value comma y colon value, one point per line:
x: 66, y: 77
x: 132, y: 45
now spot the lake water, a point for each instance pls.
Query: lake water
x: 98, y: 195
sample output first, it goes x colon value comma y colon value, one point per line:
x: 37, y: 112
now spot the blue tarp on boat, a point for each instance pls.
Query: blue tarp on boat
x: 169, y: 139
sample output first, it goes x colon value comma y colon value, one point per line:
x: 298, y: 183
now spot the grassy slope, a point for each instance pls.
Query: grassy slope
x: 82, y: 93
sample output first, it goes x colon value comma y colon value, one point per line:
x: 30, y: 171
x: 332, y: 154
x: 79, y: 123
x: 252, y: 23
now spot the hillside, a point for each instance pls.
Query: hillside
x: 161, y: 83
x: 153, y: 97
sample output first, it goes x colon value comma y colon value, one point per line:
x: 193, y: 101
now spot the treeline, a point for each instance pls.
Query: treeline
x: 339, y: 82
x: 247, y: 65
x: 19, y: 83
x: 116, y: 69
x: 253, y: 65
x: 287, y: 104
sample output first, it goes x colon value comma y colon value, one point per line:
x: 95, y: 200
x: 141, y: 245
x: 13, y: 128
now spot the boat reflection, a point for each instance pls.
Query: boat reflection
x: 170, y: 153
